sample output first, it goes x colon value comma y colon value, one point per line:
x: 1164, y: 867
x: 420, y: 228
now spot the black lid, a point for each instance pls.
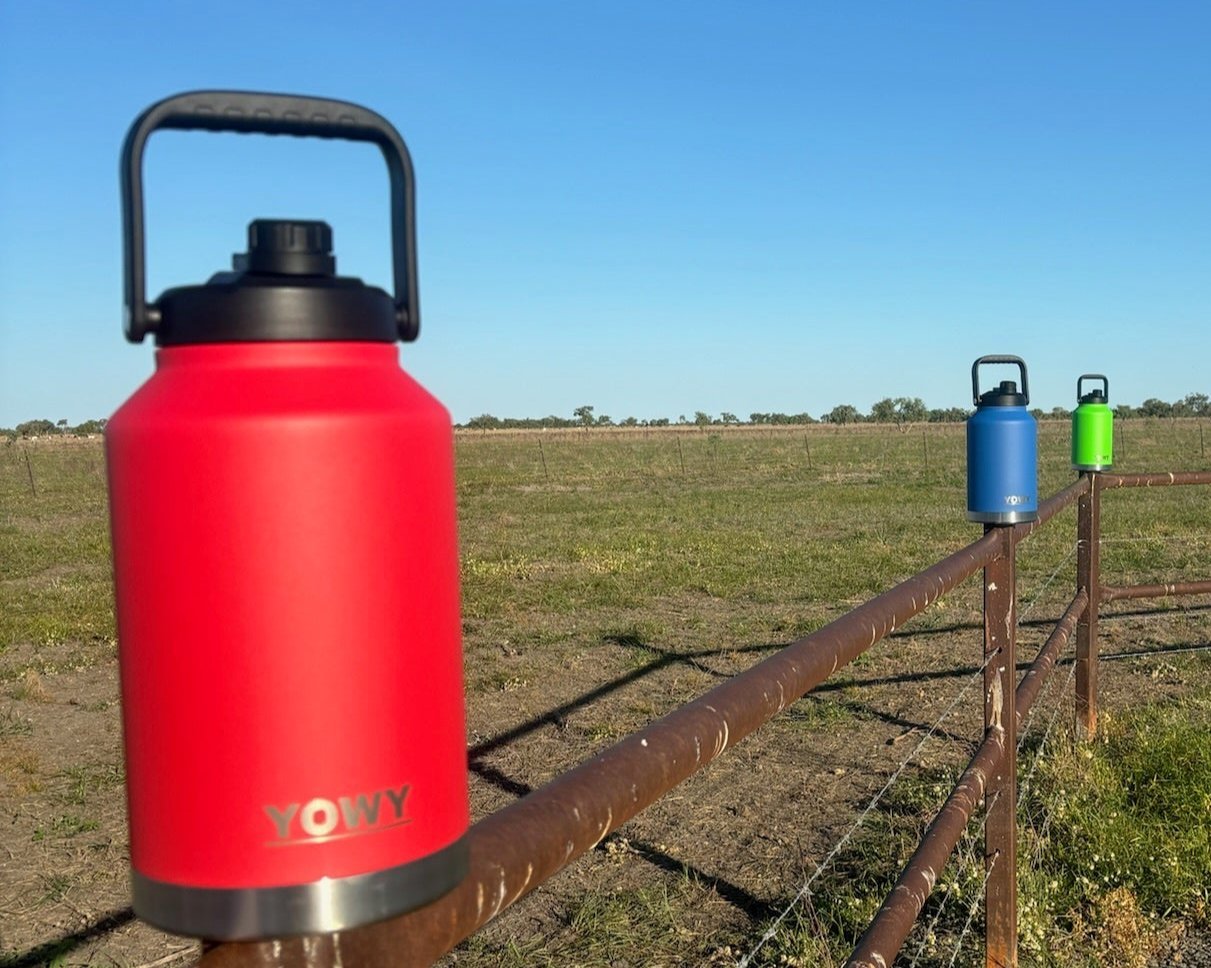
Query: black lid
x: 1094, y: 396
x: 1006, y: 395
x: 284, y: 287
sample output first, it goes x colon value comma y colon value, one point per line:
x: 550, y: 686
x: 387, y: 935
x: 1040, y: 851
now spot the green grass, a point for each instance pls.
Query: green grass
x: 55, y: 592
x: 1127, y: 818
x: 661, y: 926
x: 1114, y: 842
x: 14, y: 724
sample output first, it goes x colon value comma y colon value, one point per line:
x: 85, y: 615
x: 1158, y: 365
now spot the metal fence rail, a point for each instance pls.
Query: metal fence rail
x: 516, y: 849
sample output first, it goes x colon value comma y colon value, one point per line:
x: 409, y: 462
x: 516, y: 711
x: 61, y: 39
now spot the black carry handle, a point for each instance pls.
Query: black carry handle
x: 247, y: 112
x: 975, y: 385
x: 1092, y: 376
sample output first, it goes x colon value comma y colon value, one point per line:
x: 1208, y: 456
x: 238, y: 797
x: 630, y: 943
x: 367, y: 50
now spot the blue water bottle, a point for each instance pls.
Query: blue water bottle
x: 1002, y: 451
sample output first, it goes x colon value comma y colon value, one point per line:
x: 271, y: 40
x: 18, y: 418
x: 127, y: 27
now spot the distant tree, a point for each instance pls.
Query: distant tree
x: 726, y: 418
x: 1152, y: 407
x: 35, y: 428
x: 603, y: 420
x: 658, y: 422
x: 629, y: 422
x: 1058, y: 413
x: 89, y: 427
x: 63, y: 426
x: 1196, y: 404
x: 1038, y: 413
x: 843, y: 413
x: 485, y: 421
x: 584, y: 415
x: 951, y: 415
x: 702, y: 418
x: 1124, y: 411
x: 910, y: 410
x: 758, y: 418
x: 681, y: 419
x: 883, y: 411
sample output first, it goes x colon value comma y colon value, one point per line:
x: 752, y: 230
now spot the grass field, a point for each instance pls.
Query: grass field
x: 609, y: 576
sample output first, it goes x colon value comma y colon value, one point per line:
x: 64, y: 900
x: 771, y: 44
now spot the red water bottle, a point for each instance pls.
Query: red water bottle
x: 286, y: 574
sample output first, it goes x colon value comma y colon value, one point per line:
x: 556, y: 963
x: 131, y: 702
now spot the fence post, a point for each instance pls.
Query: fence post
x: 1000, y: 794
x: 1088, y: 576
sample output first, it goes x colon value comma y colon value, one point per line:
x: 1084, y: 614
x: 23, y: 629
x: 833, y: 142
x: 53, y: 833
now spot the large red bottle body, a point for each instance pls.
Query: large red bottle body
x: 286, y: 572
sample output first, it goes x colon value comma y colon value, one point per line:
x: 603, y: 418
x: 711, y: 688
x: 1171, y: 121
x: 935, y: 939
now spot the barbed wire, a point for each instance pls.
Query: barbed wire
x: 1195, y: 537
x: 970, y: 858
x: 971, y: 912
x: 771, y: 932
x: 1047, y: 584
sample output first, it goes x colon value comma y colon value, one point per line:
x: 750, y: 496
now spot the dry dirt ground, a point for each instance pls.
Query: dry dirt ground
x: 745, y: 832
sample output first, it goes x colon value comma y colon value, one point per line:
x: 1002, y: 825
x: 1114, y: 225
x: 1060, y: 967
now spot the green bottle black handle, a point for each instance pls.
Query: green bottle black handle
x: 1092, y: 376
x: 248, y: 112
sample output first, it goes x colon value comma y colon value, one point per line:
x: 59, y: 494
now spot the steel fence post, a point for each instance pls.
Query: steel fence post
x: 1000, y: 717
x: 1088, y: 577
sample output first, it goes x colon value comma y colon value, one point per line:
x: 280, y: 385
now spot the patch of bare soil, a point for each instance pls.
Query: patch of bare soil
x: 63, y: 894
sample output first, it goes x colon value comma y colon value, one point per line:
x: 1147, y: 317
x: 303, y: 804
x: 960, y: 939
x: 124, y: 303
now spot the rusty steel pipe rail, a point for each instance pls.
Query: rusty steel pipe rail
x: 1171, y: 478
x: 520, y: 846
x: 1114, y: 593
x: 885, y: 935
x: 1049, y: 508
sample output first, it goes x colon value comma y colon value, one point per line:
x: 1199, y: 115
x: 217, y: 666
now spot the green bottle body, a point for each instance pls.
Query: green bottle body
x: 1092, y: 437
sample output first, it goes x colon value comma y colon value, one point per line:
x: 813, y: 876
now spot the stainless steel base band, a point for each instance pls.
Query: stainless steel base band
x: 1002, y: 517
x: 1092, y: 467
x: 330, y: 904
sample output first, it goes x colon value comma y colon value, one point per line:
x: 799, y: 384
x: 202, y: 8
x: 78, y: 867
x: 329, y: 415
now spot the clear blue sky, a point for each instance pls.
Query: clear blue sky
x: 649, y: 207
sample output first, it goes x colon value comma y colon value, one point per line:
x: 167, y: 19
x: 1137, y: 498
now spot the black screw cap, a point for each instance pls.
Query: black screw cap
x: 289, y: 248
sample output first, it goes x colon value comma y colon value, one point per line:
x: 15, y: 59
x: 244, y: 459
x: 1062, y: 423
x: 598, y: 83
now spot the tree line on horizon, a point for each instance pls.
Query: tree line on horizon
x: 889, y: 410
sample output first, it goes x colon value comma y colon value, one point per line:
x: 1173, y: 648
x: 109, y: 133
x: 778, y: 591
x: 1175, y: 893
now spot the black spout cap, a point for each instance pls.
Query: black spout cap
x: 1005, y: 395
x: 287, y: 248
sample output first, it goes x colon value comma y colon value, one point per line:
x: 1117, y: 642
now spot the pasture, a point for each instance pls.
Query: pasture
x: 610, y: 575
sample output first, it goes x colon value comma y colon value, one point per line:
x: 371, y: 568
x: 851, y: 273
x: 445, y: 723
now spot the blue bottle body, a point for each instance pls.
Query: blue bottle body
x: 1002, y: 465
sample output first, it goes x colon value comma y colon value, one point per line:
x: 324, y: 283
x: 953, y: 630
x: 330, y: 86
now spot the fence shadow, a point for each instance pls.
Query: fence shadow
x: 733, y: 894
x: 665, y: 658
x: 52, y: 952
x: 744, y: 900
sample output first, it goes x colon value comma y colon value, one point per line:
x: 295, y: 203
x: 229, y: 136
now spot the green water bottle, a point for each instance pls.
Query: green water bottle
x: 1093, y: 427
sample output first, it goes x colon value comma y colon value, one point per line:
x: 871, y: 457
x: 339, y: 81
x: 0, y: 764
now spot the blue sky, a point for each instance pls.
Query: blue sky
x: 652, y: 208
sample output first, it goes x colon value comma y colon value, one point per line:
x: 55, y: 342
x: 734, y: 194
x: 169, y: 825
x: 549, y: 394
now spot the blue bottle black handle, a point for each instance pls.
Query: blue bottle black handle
x: 975, y: 384
x: 248, y: 112
x: 1093, y: 376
